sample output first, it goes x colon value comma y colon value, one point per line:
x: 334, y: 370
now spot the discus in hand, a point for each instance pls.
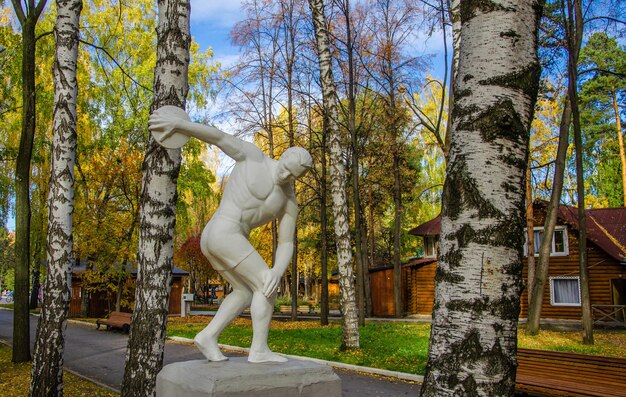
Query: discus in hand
x: 161, y: 126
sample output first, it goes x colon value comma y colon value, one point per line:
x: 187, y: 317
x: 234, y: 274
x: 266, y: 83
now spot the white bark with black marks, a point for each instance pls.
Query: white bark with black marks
x: 161, y: 166
x: 47, y: 368
x: 479, y: 275
x: 347, y: 293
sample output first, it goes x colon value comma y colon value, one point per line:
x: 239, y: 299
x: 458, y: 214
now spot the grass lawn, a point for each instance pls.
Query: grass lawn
x: 15, y: 380
x: 394, y: 346
x: 398, y: 347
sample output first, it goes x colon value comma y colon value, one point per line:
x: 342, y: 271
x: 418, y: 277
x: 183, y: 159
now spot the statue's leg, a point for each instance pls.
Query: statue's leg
x: 233, y: 305
x: 252, y: 270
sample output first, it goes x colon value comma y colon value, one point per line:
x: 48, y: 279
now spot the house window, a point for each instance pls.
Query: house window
x: 565, y: 291
x: 559, y: 241
x: 430, y: 247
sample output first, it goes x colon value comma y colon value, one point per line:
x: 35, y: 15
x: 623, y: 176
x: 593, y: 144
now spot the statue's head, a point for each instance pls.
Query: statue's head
x: 293, y: 163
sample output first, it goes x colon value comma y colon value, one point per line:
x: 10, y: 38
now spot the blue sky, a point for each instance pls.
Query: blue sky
x: 211, y: 22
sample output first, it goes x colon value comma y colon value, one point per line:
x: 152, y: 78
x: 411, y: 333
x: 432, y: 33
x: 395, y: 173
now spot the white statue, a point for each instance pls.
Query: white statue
x: 259, y: 190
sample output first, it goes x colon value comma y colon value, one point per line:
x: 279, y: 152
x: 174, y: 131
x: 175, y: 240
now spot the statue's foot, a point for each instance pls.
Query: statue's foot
x: 210, y: 349
x: 266, y: 357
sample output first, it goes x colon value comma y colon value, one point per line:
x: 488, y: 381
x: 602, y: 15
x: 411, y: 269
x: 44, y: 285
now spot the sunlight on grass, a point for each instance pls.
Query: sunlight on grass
x: 394, y: 346
x: 610, y: 343
x: 398, y: 347
x: 15, y: 380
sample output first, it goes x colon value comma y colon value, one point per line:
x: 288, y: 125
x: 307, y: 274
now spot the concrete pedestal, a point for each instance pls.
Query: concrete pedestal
x: 237, y: 378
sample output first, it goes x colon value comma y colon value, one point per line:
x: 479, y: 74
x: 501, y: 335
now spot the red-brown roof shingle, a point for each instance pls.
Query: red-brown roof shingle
x: 606, y: 227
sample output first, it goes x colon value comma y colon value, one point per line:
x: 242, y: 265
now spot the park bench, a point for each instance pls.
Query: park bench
x: 301, y: 309
x: 116, y: 320
x: 550, y: 373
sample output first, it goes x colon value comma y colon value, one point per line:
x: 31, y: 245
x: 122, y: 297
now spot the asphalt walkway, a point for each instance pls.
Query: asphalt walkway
x: 99, y: 356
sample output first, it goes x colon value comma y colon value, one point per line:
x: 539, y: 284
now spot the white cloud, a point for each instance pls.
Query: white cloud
x: 227, y: 60
x: 425, y: 44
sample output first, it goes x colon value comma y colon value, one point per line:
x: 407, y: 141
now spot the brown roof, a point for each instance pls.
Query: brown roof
x: 411, y: 263
x: 606, y: 227
x: 419, y: 262
x: 430, y: 228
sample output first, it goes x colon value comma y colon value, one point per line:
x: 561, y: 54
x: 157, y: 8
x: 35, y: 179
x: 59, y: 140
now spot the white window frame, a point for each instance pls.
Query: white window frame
x: 552, y: 249
x: 553, y: 303
x: 434, y: 240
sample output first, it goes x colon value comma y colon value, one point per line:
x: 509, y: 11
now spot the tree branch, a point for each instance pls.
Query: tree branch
x: 39, y: 8
x: 606, y: 18
x: 19, y: 11
x: 43, y: 35
x: 116, y: 63
x: 602, y: 71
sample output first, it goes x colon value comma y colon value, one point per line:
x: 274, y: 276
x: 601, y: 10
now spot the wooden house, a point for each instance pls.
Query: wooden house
x: 102, y: 302
x: 606, y: 256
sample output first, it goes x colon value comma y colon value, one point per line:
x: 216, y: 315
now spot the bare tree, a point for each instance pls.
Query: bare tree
x: 479, y: 276
x: 258, y: 36
x: 158, y: 208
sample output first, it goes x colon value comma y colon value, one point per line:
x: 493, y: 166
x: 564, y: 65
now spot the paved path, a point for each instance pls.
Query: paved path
x: 99, y: 355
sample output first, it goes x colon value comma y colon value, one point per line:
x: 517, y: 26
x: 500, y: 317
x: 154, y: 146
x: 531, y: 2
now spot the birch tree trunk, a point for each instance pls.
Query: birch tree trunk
x: 161, y: 166
x: 347, y: 297
x: 21, y: 319
x: 479, y: 277
x: 47, y: 368
x: 355, y: 154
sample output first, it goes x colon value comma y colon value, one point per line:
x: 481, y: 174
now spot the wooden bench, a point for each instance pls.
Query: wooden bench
x: 550, y: 373
x: 116, y: 320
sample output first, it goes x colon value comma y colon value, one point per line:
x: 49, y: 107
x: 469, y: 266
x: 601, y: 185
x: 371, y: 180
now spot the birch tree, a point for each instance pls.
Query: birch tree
x: 347, y: 296
x: 479, y: 276
x: 47, y: 368
x: 27, y: 14
x: 161, y: 166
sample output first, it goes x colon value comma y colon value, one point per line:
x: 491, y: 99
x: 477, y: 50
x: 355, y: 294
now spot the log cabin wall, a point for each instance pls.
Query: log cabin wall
x: 176, y: 296
x: 381, y: 284
x: 101, y: 303
x: 604, y: 273
x: 603, y: 269
x: 420, y: 287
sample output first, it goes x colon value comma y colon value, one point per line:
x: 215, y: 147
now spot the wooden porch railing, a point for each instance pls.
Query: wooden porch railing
x: 616, y: 313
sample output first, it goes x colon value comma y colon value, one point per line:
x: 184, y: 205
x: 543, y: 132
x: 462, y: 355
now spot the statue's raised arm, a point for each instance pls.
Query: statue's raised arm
x: 172, y: 127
